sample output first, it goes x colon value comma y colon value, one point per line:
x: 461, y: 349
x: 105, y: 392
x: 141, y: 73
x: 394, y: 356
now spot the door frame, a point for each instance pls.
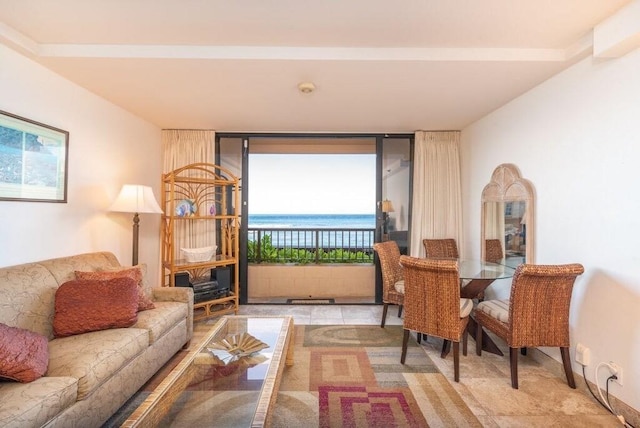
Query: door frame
x: 380, y: 142
x: 245, y: 138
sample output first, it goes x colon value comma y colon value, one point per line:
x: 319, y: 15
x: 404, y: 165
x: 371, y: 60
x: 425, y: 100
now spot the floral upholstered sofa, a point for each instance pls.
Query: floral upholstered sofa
x: 63, y: 362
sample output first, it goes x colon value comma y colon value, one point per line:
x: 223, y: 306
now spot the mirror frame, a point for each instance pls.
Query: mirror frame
x: 507, y: 185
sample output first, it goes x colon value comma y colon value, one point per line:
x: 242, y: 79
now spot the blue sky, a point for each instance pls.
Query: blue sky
x: 311, y: 184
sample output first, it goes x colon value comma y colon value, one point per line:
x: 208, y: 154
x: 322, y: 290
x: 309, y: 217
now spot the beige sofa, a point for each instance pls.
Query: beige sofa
x: 90, y: 375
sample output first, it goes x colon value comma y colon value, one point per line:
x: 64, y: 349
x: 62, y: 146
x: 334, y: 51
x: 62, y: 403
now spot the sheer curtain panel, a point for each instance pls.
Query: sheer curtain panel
x: 437, y: 202
x: 182, y: 148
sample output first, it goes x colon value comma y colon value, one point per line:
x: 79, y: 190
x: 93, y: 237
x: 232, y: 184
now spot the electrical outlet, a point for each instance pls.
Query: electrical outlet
x: 583, y: 354
x: 616, y: 370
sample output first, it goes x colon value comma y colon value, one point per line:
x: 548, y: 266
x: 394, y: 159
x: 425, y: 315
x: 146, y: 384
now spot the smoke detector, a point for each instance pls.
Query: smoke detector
x: 306, y: 87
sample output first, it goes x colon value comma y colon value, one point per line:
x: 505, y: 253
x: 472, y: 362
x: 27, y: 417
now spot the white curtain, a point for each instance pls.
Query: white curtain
x: 437, y: 201
x: 182, y: 148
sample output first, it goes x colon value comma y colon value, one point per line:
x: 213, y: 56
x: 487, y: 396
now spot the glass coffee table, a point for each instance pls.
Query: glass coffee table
x: 229, y: 379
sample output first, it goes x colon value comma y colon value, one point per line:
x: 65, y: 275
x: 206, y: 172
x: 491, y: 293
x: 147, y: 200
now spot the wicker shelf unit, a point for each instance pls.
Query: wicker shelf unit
x: 201, y: 209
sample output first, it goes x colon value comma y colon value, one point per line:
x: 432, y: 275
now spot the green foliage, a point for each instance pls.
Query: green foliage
x: 270, y: 254
x: 267, y: 251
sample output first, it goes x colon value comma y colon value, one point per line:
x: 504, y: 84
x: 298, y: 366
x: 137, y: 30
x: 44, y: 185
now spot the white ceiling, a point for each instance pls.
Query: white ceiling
x: 378, y: 65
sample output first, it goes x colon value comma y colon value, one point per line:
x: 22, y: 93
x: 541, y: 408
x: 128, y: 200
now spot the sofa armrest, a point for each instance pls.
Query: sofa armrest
x: 177, y: 294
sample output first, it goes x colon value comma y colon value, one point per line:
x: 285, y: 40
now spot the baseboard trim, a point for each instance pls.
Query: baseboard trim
x: 630, y: 414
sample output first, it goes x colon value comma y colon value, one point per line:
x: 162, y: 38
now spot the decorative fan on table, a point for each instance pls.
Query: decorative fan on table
x: 236, y: 346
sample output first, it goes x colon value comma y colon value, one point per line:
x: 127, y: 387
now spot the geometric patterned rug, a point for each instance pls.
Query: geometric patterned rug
x: 350, y: 376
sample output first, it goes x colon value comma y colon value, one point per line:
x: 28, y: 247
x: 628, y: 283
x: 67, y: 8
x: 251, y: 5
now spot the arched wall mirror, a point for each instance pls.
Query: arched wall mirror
x: 508, y: 217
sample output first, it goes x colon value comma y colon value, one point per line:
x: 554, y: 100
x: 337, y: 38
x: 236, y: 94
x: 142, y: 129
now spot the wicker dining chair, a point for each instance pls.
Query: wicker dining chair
x: 392, y: 276
x: 440, y: 248
x: 536, y: 314
x: 493, y: 250
x: 432, y: 304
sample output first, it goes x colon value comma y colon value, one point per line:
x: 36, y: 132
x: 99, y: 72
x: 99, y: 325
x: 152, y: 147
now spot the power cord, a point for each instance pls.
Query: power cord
x: 584, y: 375
x: 600, y: 389
x: 604, y: 403
x: 625, y: 423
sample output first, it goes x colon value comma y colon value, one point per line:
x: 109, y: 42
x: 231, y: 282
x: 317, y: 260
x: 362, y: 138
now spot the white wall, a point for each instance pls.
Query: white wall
x: 107, y: 148
x: 577, y: 138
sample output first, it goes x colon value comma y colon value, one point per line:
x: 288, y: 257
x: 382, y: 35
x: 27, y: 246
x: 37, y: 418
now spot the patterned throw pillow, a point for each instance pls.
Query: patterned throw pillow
x: 83, y: 305
x: 24, y: 355
x: 134, y: 272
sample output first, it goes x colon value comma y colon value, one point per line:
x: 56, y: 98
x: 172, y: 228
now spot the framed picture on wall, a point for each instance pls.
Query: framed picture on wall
x: 33, y: 160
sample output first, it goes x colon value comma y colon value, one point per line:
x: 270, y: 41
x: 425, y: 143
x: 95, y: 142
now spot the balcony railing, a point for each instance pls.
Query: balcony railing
x: 293, y: 245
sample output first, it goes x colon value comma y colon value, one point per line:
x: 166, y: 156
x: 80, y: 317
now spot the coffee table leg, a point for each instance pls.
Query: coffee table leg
x: 291, y: 339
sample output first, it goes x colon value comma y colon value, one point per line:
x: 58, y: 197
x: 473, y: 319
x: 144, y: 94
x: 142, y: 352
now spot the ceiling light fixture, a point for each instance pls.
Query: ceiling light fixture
x: 306, y: 87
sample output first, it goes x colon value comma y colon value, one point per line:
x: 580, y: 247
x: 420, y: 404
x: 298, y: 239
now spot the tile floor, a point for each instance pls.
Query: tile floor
x: 542, y: 400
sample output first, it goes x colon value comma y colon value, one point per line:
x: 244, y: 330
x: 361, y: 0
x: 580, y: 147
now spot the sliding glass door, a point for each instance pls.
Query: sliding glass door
x: 385, y: 184
x: 393, y: 210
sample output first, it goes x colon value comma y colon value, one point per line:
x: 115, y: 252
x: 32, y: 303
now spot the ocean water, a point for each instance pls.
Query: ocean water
x: 328, y: 226
x: 313, y: 221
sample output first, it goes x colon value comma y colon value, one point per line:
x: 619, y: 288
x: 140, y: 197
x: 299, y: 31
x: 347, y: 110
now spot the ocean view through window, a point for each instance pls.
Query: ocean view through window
x: 350, y: 221
x: 349, y: 225
x: 311, y: 208
x: 308, y: 238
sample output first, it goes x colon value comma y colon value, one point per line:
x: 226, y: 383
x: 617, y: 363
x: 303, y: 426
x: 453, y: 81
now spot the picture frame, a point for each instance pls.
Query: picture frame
x: 33, y: 160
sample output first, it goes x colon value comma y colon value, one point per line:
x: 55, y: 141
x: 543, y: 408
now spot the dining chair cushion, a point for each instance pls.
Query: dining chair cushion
x: 498, y: 309
x: 465, y: 307
x: 399, y: 286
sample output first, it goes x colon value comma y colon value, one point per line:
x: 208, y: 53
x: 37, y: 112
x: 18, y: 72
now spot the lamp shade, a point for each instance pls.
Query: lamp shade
x: 134, y: 198
x: 387, y: 207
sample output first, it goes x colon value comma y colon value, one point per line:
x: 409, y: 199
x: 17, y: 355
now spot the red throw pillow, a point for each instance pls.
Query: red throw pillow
x: 24, y: 354
x: 85, y: 305
x: 134, y: 272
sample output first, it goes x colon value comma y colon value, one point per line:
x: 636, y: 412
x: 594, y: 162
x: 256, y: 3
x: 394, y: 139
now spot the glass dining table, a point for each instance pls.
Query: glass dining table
x: 480, y: 275
x: 476, y: 276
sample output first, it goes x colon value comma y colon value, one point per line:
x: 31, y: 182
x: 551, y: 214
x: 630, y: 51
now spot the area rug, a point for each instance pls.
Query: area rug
x: 351, y: 376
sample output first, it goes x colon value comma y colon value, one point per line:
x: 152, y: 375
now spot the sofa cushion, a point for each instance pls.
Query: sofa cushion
x: 35, y: 403
x: 84, y: 305
x: 137, y: 273
x: 24, y: 355
x: 161, y: 319
x: 94, y: 357
x: 27, y: 293
x: 63, y: 268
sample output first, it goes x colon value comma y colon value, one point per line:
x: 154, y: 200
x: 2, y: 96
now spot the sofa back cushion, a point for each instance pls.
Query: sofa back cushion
x: 64, y: 268
x: 27, y: 291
